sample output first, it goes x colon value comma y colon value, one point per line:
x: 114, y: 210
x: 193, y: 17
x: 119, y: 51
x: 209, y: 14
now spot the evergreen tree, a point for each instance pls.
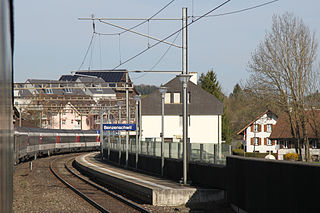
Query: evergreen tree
x: 209, y: 83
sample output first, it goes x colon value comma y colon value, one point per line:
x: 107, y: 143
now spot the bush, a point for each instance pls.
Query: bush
x: 291, y: 156
x: 237, y: 152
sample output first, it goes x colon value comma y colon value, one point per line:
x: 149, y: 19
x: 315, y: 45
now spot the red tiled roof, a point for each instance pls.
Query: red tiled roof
x: 282, y: 129
x: 259, y: 116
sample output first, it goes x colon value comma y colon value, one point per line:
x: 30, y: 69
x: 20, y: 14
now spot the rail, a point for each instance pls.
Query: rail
x: 96, y: 186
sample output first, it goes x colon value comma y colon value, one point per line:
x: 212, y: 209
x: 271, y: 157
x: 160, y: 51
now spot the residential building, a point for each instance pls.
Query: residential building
x: 256, y: 134
x: 282, y: 135
x: 204, y: 114
x: 87, y: 94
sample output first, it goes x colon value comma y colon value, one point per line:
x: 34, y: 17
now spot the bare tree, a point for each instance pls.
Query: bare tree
x: 282, y: 72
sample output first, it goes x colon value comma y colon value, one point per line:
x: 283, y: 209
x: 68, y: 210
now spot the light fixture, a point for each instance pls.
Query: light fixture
x: 184, y: 78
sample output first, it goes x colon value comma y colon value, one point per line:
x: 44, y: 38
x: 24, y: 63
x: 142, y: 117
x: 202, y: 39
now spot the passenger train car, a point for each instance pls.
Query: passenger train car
x: 32, y: 142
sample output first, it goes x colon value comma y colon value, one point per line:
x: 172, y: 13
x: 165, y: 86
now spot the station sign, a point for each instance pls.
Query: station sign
x: 119, y: 127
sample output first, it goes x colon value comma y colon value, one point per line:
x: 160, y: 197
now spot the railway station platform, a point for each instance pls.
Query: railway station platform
x: 146, y: 188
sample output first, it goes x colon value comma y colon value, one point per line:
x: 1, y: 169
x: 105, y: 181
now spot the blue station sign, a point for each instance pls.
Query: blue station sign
x: 119, y: 127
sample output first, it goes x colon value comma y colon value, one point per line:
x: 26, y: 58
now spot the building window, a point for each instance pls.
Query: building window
x: 189, y: 98
x: 167, y: 98
x: 269, y: 127
x: 98, y: 87
x: 269, y: 142
x: 176, y: 98
x: 256, y: 141
x: 48, y: 91
x: 67, y: 90
x: 256, y: 128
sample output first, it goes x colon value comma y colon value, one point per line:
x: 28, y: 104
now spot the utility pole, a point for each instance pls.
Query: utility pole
x: 109, y: 133
x: 163, y: 91
x: 127, y: 119
x: 101, y: 133
x: 119, y: 133
x: 185, y: 72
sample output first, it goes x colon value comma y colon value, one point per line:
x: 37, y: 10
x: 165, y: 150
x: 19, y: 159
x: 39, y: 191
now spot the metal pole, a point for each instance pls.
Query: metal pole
x: 140, y: 126
x: 184, y: 71
x: 6, y: 136
x: 127, y: 119
x: 162, y: 133
x: 109, y: 136
x: 81, y: 121
x: 119, y: 135
x: 101, y: 133
x: 137, y: 134
x: 254, y: 139
x: 20, y: 118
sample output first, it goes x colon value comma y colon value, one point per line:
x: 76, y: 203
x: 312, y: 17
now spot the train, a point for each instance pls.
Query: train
x: 32, y: 142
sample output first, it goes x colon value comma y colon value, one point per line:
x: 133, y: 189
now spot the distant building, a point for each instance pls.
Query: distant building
x: 283, y: 137
x: 256, y: 134
x: 73, y: 106
x: 204, y: 114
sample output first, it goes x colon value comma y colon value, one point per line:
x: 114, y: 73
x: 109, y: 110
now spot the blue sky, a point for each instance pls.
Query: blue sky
x: 51, y: 41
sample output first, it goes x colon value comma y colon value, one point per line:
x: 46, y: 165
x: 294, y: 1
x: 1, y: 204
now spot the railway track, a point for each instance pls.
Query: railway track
x: 97, y: 196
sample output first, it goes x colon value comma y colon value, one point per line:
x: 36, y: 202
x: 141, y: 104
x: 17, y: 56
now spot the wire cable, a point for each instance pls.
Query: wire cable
x: 160, y: 59
x: 135, y: 26
x: 145, y: 50
x: 85, y: 56
x: 92, y: 49
x: 239, y: 11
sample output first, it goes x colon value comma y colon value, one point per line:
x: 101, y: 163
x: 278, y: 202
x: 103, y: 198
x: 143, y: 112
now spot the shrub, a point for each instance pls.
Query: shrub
x: 291, y: 156
x: 237, y: 152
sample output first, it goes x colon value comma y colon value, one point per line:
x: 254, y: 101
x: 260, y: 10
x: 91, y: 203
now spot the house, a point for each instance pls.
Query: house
x: 256, y: 133
x: 286, y: 143
x: 204, y: 114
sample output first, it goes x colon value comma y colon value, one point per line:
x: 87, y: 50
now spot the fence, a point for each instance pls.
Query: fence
x: 198, y: 152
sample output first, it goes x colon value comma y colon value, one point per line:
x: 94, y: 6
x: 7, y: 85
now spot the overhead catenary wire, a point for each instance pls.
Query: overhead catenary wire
x: 159, y: 11
x: 94, y: 32
x: 160, y: 59
x: 145, y: 50
x: 239, y: 11
x: 137, y: 25
x: 193, y: 20
x: 87, y: 51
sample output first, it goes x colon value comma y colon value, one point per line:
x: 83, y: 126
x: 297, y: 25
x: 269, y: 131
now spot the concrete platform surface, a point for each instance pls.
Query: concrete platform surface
x: 148, y: 189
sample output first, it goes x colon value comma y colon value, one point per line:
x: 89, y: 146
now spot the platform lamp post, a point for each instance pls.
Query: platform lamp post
x: 119, y: 103
x: 101, y: 133
x: 109, y: 133
x: 184, y: 78
x: 137, y: 99
x: 163, y: 91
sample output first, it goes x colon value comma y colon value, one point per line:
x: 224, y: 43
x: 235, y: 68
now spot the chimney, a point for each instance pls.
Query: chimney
x: 194, y: 77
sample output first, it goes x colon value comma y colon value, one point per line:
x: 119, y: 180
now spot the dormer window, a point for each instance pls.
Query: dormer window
x: 176, y: 98
x: 67, y: 90
x: 48, y: 91
x: 167, y: 98
x: 98, y: 87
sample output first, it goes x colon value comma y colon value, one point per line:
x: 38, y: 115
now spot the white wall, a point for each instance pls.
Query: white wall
x: 262, y: 134
x: 202, y: 129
